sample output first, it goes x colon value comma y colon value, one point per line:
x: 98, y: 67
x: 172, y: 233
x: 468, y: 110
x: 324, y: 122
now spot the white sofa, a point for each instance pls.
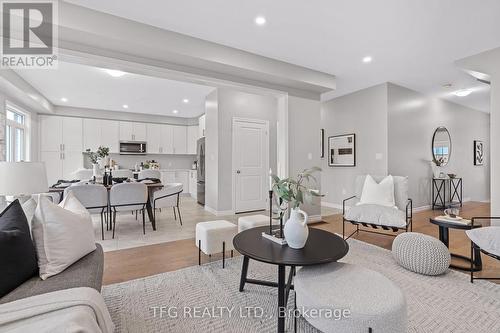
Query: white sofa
x: 377, y: 216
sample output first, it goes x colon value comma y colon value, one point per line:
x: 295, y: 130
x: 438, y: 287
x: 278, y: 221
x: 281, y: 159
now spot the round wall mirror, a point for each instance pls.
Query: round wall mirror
x: 441, y: 146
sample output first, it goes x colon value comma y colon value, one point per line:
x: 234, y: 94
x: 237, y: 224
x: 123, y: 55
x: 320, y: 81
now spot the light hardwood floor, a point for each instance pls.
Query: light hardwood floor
x: 128, y: 264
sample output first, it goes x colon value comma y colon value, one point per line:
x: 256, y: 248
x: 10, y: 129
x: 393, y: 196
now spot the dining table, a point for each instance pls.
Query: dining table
x: 152, y: 187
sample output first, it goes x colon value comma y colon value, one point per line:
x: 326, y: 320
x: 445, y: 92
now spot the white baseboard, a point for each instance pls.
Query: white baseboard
x: 331, y: 205
x: 219, y: 212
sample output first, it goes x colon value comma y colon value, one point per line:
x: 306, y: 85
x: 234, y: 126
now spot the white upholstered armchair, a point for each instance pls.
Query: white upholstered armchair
x: 395, y: 218
x: 168, y: 197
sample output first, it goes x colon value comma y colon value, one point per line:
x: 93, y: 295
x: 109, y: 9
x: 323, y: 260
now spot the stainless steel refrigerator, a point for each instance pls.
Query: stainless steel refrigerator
x: 200, y: 158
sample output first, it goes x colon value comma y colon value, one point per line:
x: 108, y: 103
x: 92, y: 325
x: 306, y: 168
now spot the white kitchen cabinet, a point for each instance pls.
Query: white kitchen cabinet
x: 91, y: 134
x: 193, y: 180
x: 201, y: 126
x: 192, y: 137
x: 180, y: 139
x: 110, y: 135
x: 53, y: 165
x: 154, y: 138
x: 50, y: 133
x: 126, y: 131
x: 61, y: 146
x: 139, y: 131
x: 182, y: 176
x: 167, y: 139
x: 97, y: 132
x: 72, y: 134
x: 71, y: 161
x: 131, y: 131
x: 168, y: 177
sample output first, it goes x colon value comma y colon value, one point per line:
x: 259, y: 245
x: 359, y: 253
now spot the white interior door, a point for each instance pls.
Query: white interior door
x: 250, y: 164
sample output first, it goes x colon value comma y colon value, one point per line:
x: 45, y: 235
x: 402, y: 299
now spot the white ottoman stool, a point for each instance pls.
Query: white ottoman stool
x: 372, y: 300
x: 253, y: 221
x: 215, y: 237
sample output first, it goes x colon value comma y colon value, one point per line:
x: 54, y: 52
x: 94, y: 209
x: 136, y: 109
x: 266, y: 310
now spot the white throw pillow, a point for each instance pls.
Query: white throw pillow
x: 62, y: 234
x: 378, y: 194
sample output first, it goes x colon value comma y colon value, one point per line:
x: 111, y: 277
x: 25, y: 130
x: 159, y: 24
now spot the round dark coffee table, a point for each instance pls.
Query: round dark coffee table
x: 321, y: 247
x: 444, y: 236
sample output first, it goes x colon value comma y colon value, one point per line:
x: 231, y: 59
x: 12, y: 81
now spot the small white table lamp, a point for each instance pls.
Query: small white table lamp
x: 20, y: 179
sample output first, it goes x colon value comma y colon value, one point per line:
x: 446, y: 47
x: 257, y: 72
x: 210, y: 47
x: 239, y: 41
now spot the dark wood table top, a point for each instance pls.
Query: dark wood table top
x: 321, y: 247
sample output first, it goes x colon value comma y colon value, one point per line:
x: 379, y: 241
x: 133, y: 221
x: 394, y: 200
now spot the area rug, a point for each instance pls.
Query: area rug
x: 206, y: 299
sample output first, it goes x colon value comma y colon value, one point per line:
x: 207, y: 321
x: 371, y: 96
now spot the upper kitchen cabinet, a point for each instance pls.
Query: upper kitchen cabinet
x: 180, y: 139
x: 110, y: 133
x: 192, y: 137
x: 201, y: 126
x: 50, y: 133
x: 153, y: 138
x: 61, y: 134
x: 98, y: 132
x: 130, y: 131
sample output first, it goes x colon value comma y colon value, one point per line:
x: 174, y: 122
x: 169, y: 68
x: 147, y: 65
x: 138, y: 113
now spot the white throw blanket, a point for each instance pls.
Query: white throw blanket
x: 71, y: 310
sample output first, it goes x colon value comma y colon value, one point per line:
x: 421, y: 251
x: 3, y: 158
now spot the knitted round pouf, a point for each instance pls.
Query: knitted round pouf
x: 421, y: 254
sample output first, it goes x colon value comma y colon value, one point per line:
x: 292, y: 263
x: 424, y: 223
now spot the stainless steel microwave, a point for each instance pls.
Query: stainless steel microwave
x: 133, y: 148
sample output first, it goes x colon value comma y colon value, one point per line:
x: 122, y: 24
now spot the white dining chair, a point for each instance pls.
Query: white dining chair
x: 148, y: 173
x: 168, y: 196
x: 94, y: 197
x: 122, y: 173
x: 128, y: 197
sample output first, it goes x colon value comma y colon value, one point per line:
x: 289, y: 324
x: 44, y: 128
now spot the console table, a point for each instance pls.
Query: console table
x: 443, y: 186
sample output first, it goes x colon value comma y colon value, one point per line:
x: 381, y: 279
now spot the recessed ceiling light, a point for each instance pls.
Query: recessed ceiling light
x: 462, y: 93
x: 125, y: 106
x: 64, y: 99
x: 260, y: 20
x: 367, y: 59
x: 185, y: 100
x: 175, y: 111
x: 114, y: 72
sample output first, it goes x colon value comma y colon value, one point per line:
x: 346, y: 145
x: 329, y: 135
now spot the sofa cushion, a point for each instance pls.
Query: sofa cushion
x: 17, y: 254
x: 86, y: 272
x: 376, y: 214
x: 62, y: 234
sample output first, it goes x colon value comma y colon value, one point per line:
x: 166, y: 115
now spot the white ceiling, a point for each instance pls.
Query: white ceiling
x: 413, y: 43
x: 93, y: 88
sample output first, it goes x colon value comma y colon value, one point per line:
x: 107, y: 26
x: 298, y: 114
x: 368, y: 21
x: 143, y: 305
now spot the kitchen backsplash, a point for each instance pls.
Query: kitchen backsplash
x: 166, y: 161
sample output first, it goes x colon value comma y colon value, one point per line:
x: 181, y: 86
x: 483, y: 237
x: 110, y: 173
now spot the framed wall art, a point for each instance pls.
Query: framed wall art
x: 478, y: 152
x: 342, y: 150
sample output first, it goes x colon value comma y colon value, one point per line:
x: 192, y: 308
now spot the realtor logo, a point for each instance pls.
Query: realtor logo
x: 29, y: 34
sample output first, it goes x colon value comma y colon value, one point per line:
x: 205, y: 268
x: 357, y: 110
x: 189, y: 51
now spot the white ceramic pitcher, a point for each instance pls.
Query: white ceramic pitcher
x: 296, y: 230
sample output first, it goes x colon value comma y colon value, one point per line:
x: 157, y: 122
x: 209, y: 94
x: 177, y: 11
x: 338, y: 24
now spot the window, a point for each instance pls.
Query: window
x: 15, y: 135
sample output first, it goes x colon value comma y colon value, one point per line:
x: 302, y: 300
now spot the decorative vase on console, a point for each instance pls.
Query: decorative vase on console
x: 293, y: 193
x: 436, y: 169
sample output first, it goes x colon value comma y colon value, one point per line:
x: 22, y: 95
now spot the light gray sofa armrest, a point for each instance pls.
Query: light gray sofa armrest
x: 86, y: 272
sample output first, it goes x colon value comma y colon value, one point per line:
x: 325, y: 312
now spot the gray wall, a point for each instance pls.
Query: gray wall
x: 304, y: 152
x: 412, y: 120
x: 365, y: 114
x: 222, y: 106
x: 233, y: 103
